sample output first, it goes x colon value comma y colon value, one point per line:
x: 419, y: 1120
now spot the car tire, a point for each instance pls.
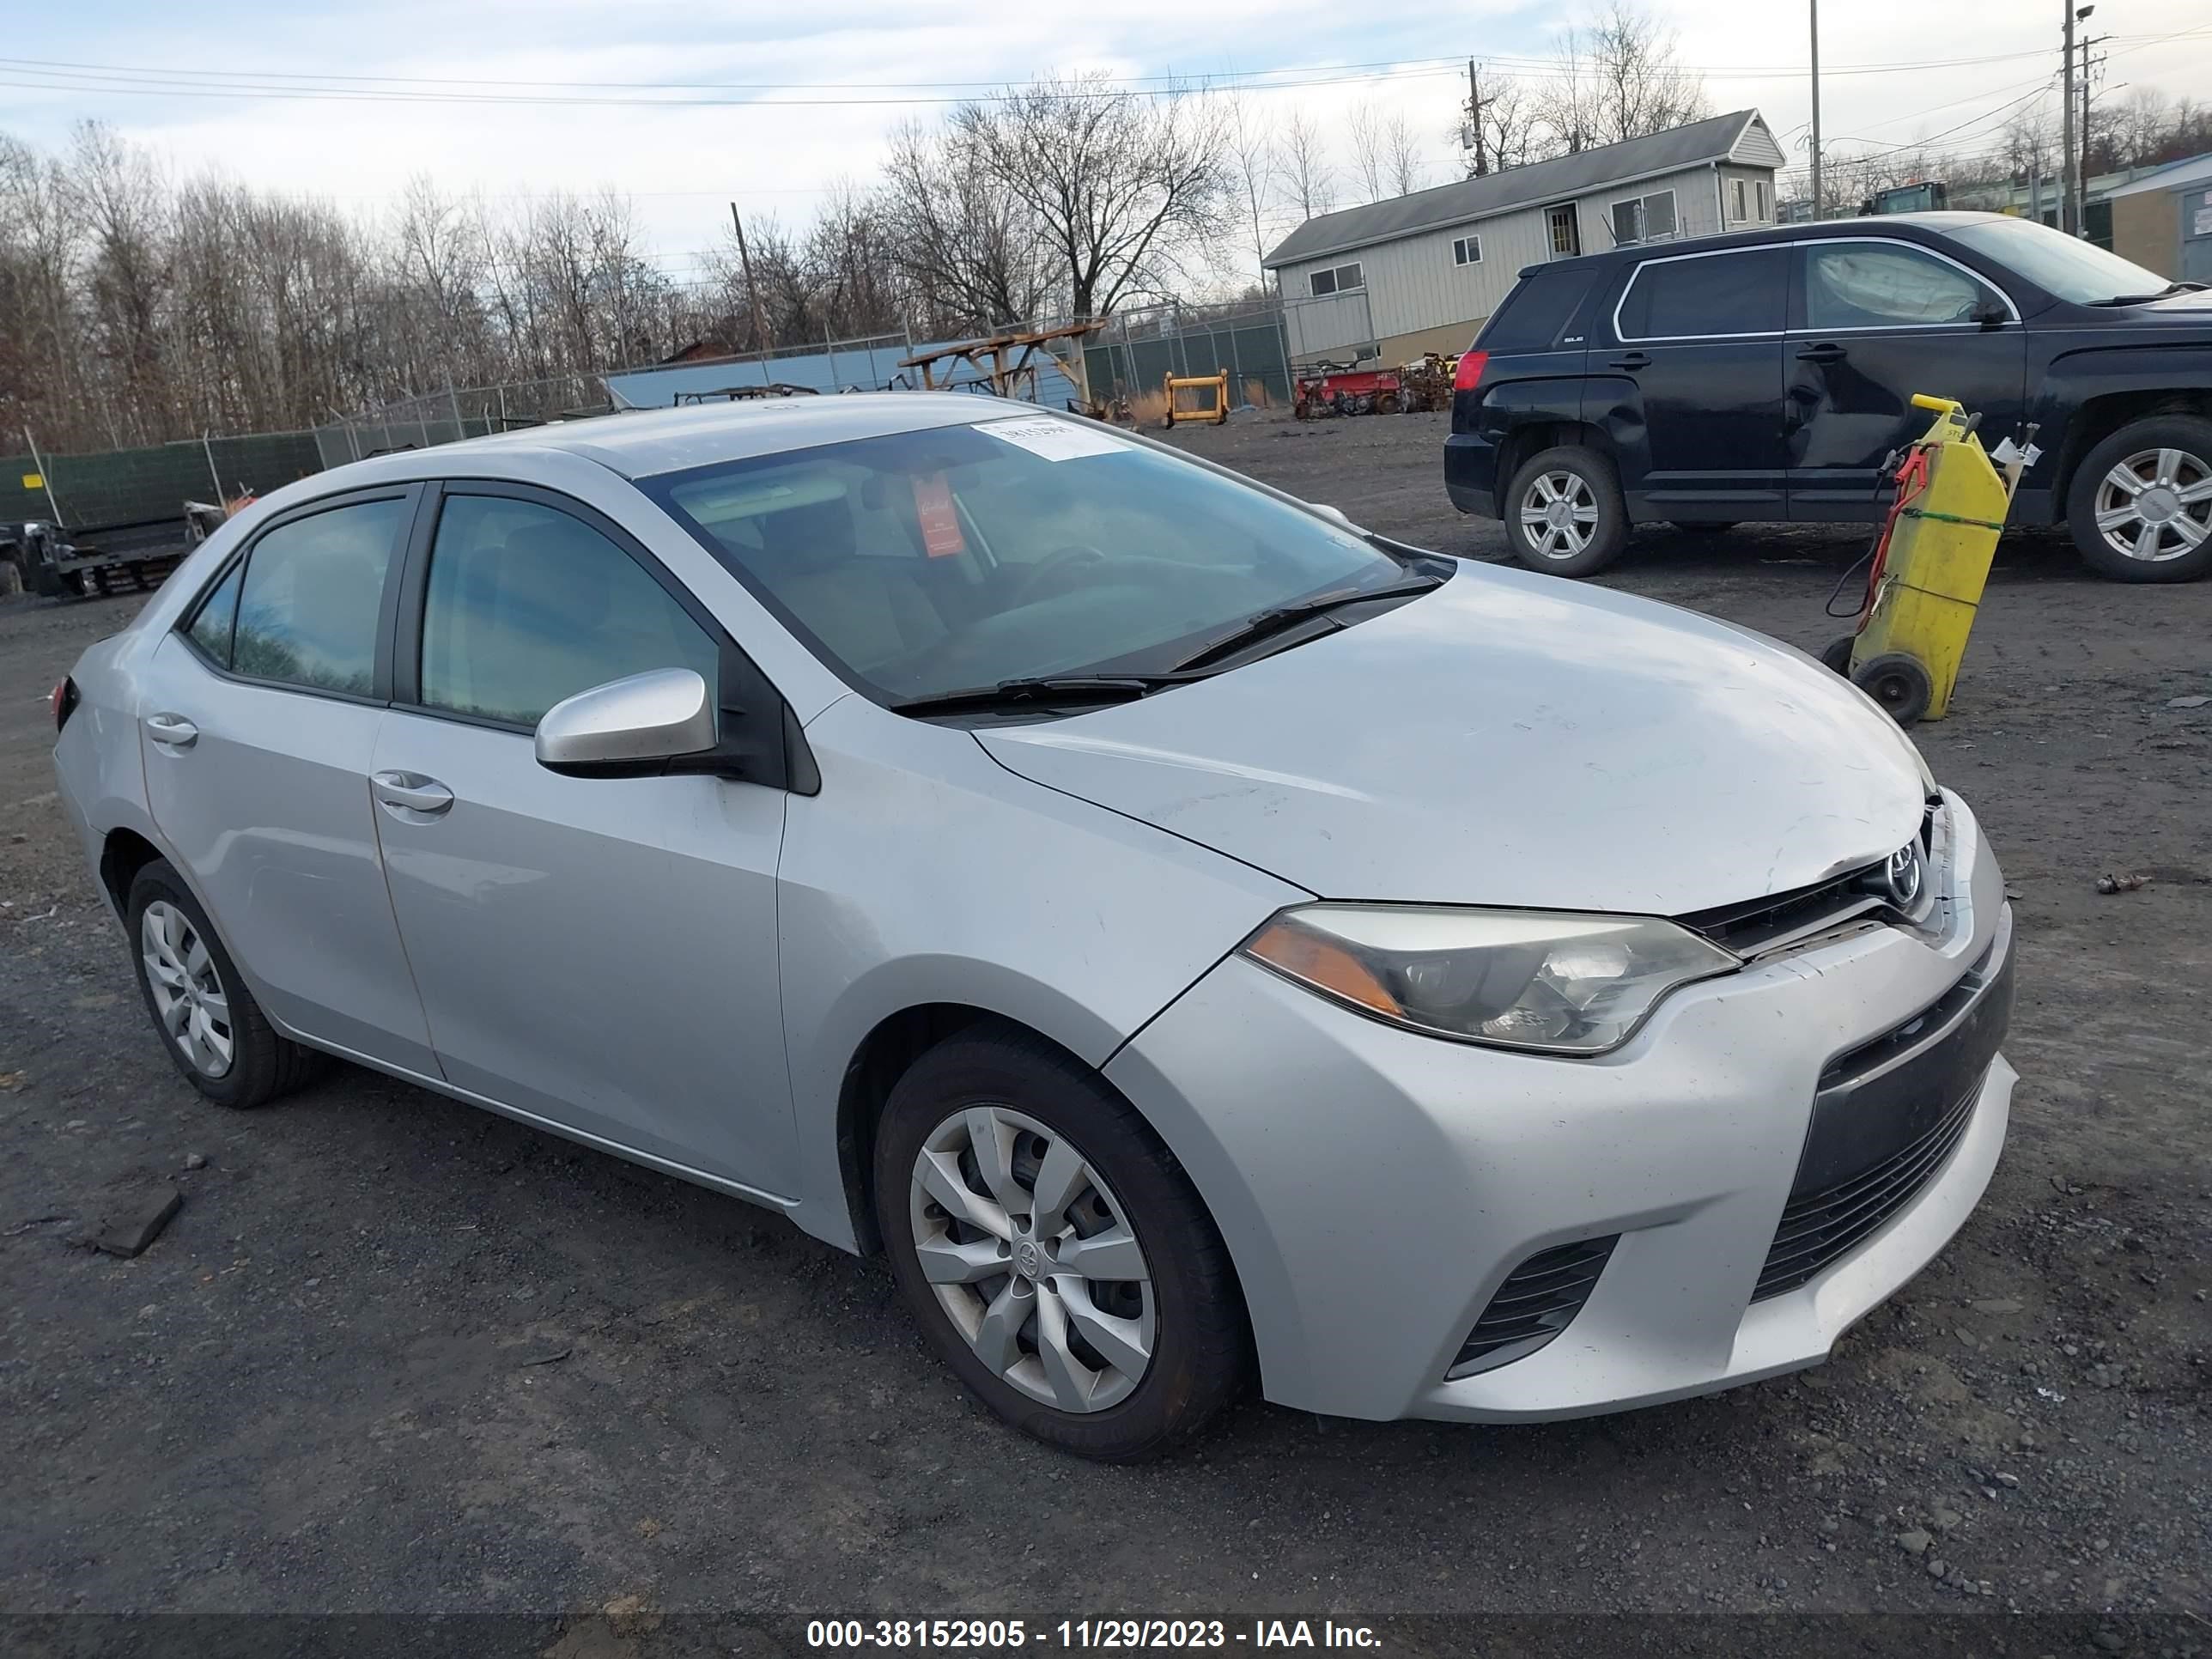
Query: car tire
x: 1011, y: 1336
x: 200, y: 1006
x: 1582, y: 545
x: 1836, y: 655
x: 2131, y: 547
x: 1900, y: 684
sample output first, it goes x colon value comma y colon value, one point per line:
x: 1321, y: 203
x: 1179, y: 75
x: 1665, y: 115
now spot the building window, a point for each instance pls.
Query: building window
x: 1338, y: 279
x: 1566, y: 234
x: 1466, y: 250
x: 1743, y: 203
x: 1763, y: 213
x: 1644, y: 219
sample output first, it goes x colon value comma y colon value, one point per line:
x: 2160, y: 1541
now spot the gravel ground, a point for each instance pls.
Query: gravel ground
x: 397, y: 1354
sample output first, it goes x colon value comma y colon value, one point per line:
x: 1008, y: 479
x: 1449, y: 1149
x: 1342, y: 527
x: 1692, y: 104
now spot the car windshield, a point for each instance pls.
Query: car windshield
x: 929, y: 562
x: 2056, y: 262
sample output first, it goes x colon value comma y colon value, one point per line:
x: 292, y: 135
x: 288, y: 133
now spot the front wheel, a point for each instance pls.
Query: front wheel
x: 2140, y: 505
x: 1052, y: 1251
x: 1563, y: 512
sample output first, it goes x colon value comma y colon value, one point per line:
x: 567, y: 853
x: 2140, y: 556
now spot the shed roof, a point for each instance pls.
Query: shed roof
x: 1714, y: 139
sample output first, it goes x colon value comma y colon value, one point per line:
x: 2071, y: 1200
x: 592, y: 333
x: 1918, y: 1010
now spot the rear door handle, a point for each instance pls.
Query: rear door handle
x: 1822, y: 353
x: 172, y: 731
x: 1632, y: 360
x: 410, y: 792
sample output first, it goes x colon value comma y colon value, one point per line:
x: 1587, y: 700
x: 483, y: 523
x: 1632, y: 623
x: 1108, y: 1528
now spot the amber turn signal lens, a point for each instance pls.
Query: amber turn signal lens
x: 1323, y: 965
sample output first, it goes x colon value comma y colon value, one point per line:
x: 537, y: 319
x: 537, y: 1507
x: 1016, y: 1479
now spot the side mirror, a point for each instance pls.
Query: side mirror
x: 1990, y: 314
x: 628, y: 728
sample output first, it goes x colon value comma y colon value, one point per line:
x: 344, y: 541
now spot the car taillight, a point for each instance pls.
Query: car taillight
x: 64, y: 701
x: 1470, y: 370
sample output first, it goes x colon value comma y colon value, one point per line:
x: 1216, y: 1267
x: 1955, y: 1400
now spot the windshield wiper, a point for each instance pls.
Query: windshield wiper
x: 1276, y: 619
x: 1041, y: 689
x: 2166, y: 293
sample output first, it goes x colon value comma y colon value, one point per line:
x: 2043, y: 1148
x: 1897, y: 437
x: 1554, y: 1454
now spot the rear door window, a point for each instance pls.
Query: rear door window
x: 1537, y: 312
x: 1706, y: 296
x: 312, y: 594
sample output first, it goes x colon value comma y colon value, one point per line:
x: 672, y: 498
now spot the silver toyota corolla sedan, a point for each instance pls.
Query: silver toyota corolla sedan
x: 1191, y: 936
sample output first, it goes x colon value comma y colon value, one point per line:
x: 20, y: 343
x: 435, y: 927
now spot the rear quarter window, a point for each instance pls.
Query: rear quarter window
x: 1537, y: 312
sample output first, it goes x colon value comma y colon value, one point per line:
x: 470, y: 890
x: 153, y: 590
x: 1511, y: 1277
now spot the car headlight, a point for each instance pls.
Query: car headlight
x: 1522, y: 979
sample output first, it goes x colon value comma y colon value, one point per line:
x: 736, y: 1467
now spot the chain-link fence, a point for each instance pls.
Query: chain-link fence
x: 118, y: 487
x: 1137, y: 349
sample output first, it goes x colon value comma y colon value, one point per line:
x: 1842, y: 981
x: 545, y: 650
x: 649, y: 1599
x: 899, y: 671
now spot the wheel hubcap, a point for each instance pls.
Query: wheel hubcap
x: 2156, y: 505
x: 188, y: 998
x: 1033, y: 1259
x: 1558, y: 515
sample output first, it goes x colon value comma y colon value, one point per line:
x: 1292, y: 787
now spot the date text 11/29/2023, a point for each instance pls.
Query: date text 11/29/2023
x: 1071, y: 1635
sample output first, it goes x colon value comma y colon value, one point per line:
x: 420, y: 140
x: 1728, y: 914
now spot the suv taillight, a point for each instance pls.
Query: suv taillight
x: 64, y: 701
x: 1470, y: 370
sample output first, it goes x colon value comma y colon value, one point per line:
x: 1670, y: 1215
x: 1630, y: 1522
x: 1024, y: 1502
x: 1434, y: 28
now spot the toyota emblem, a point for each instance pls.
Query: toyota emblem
x: 1902, y: 875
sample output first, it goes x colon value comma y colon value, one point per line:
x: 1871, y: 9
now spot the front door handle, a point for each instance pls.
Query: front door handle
x: 410, y: 792
x: 172, y: 731
x: 1822, y: 353
x: 1632, y: 360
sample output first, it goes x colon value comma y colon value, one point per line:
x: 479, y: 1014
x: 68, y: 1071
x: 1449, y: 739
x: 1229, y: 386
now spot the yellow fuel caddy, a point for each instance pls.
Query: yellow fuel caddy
x: 1931, y: 565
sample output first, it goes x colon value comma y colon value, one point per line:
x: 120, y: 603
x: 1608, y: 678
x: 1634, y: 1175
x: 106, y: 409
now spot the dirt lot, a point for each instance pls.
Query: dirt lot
x: 398, y: 1354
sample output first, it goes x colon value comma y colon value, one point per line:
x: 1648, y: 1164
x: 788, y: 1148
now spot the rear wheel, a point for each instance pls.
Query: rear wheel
x: 1563, y: 512
x: 214, y: 1031
x: 1054, y: 1253
x: 2140, y: 505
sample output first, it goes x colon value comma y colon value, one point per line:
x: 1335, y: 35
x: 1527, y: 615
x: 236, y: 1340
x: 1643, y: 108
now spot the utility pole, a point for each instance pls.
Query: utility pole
x: 1816, y: 107
x: 2082, y: 180
x: 752, y: 288
x: 2067, y: 222
x: 1474, y: 119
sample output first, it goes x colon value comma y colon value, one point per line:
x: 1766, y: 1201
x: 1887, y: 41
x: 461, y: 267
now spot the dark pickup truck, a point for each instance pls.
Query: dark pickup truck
x: 1766, y: 376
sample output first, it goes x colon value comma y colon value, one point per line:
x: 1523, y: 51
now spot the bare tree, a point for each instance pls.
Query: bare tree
x: 1302, y: 164
x: 1116, y: 180
x: 1506, y: 131
x: 1618, y: 78
x: 1404, y: 167
x: 1369, y: 165
x: 1251, y: 158
x: 968, y: 247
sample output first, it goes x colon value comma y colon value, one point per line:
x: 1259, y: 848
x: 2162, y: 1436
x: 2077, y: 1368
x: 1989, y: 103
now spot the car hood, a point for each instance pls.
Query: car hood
x: 1510, y: 739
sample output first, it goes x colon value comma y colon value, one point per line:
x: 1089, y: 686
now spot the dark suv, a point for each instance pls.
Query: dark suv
x: 1766, y: 375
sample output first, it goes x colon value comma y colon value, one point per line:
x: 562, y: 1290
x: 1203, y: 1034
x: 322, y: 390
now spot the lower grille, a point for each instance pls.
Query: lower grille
x: 1818, y: 1228
x: 1534, y: 1304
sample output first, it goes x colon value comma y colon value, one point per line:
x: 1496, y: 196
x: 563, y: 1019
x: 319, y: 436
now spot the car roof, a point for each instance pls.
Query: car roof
x: 639, y: 443
x: 1769, y: 235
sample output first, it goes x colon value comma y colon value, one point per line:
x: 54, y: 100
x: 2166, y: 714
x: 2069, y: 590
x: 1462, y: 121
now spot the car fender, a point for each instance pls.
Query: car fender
x: 2080, y: 375
x: 914, y: 879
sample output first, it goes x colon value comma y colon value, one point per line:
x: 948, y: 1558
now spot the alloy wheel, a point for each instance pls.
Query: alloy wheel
x: 1558, y: 515
x: 2155, y: 505
x: 1033, y: 1259
x: 188, y: 998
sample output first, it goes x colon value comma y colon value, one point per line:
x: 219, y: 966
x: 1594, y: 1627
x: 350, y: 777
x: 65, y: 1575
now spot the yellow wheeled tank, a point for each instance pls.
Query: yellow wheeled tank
x: 1929, y: 567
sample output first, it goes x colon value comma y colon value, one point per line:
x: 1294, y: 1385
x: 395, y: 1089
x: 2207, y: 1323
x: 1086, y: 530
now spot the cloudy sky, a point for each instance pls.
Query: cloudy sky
x: 689, y: 105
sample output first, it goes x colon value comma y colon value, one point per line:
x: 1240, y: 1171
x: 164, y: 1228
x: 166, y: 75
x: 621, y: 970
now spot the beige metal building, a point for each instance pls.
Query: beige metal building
x: 2163, y: 221
x: 1420, y: 272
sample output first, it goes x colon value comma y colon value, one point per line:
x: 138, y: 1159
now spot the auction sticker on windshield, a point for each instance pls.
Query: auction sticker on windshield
x: 1056, y: 441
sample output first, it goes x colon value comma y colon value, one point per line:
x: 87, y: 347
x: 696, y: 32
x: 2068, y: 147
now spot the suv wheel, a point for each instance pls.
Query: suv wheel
x: 1564, y: 513
x: 2141, y: 503
x: 1054, y: 1253
x: 209, y: 1021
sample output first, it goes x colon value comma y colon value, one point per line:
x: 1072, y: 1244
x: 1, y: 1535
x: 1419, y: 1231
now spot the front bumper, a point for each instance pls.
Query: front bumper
x: 1376, y: 1187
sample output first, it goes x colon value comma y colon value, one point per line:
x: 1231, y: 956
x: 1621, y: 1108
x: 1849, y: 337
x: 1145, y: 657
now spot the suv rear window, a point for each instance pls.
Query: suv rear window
x: 1538, y: 311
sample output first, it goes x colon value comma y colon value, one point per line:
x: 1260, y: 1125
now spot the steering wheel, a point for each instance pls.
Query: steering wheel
x: 1049, y: 575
